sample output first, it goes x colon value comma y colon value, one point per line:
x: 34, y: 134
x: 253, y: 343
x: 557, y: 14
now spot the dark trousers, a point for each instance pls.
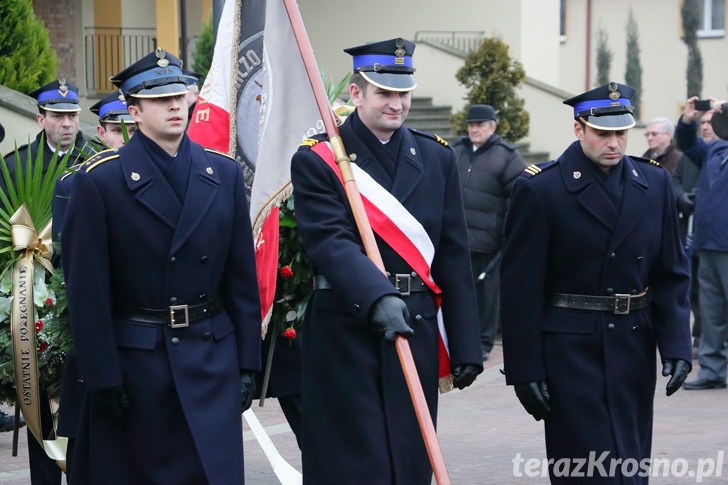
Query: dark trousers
x: 291, y: 407
x: 695, y: 295
x: 486, y: 276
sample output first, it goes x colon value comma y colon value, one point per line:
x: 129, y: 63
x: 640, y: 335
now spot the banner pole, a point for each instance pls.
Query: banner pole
x: 370, y: 245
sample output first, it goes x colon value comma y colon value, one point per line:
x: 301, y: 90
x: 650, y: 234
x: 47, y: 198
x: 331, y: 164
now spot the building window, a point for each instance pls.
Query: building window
x: 562, y: 26
x: 712, y: 14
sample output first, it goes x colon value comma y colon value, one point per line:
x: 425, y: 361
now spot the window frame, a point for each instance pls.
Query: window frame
x: 706, y: 21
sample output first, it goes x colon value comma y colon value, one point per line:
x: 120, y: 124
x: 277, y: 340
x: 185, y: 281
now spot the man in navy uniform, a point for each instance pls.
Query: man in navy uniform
x: 161, y: 284
x: 359, y: 425
x: 113, y: 113
x: 594, y: 280
x: 60, y: 125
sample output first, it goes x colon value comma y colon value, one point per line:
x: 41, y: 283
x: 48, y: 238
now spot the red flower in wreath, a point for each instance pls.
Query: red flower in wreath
x: 289, y: 333
x: 286, y: 272
x: 38, y: 326
x: 42, y: 346
x: 49, y: 302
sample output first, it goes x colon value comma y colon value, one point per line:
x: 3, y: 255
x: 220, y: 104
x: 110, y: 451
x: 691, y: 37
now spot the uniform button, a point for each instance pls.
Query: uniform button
x: 172, y: 260
x: 610, y: 326
x: 610, y: 291
x: 207, y: 335
x: 613, y: 255
x: 203, y: 259
x: 418, y: 317
x: 203, y: 296
x: 413, y: 274
x: 173, y: 300
x: 175, y: 341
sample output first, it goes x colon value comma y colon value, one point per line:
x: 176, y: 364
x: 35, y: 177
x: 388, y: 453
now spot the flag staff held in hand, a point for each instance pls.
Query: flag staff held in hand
x: 367, y: 235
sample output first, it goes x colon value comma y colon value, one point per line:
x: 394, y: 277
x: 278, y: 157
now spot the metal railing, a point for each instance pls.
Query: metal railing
x: 463, y: 41
x: 108, y: 50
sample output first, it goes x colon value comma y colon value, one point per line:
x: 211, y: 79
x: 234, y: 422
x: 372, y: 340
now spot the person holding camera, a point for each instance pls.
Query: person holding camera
x: 710, y: 243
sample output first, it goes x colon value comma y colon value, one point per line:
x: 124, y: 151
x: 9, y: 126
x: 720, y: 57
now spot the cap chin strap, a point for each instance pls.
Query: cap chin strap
x: 605, y: 111
x: 386, y: 69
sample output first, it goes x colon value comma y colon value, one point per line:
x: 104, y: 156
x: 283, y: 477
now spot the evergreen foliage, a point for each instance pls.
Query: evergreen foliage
x: 491, y: 77
x: 690, y: 13
x: 27, y: 59
x: 633, y: 71
x: 204, y: 50
x: 604, y: 57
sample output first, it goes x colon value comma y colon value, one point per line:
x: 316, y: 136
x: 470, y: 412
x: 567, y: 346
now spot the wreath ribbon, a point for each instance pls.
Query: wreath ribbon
x: 31, y: 247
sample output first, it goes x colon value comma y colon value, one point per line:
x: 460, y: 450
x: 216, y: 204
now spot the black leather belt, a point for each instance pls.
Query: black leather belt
x: 404, y: 283
x: 176, y: 316
x: 619, y: 304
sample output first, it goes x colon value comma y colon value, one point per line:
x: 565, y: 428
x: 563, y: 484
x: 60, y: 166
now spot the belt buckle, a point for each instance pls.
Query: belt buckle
x: 622, y: 303
x: 173, y: 309
x: 403, y: 277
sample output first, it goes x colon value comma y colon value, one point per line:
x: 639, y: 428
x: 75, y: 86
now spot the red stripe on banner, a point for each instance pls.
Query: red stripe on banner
x: 388, y: 230
x: 210, y: 126
x: 266, y: 260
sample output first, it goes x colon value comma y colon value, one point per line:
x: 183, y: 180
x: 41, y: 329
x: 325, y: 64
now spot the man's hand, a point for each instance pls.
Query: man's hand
x: 534, y: 397
x: 679, y: 370
x: 389, y: 317
x: 247, y: 389
x: 114, y: 403
x: 465, y: 374
x: 686, y: 202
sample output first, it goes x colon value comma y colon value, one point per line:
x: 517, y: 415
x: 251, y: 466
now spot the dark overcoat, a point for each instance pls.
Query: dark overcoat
x: 81, y: 149
x: 564, y: 235
x: 128, y: 240
x: 358, y: 422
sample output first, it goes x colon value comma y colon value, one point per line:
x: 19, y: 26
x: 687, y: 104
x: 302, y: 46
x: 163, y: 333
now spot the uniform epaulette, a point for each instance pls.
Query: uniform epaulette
x: 217, y: 152
x: 99, y: 158
x: 646, y: 160
x: 433, y: 136
x: 535, y: 169
x: 440, y: 140
x: 308, y: 142
x: 70, y: 171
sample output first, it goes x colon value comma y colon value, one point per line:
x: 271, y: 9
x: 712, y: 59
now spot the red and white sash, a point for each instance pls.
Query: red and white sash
x: 392, y: 222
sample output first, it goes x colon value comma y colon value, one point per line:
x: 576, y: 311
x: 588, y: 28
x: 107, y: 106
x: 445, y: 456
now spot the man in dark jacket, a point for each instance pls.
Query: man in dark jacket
x: 58, y: 118
x: 359, y: 425
x: 659, y: 141
x: 164, y: 304
x: 59, y: 121
x: 488, y: 167
x: 595, y: 279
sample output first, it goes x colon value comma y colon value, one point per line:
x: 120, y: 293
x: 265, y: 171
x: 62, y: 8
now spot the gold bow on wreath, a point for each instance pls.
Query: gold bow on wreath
x: 31, y: 247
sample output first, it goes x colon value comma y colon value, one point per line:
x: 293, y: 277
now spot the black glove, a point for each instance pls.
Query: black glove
x: 389, y: 316
x: 247, y: 389
x: 679, y: 370
x: 686, y: 202
x: 114, y: 403
x: 534, y: 397
x: 465, y: 374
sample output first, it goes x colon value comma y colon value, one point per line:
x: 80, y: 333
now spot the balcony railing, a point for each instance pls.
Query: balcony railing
x: 463, y: 41
x: 108, y: 50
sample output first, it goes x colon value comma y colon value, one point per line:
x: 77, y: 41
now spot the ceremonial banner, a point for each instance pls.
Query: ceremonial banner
x: 257, y: 105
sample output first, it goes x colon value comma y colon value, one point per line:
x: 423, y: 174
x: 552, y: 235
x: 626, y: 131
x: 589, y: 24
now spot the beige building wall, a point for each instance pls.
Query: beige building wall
x: 663, y: 55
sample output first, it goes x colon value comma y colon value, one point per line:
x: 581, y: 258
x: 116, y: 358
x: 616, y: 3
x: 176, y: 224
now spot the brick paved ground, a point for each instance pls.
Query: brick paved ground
x: 482, y: 428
